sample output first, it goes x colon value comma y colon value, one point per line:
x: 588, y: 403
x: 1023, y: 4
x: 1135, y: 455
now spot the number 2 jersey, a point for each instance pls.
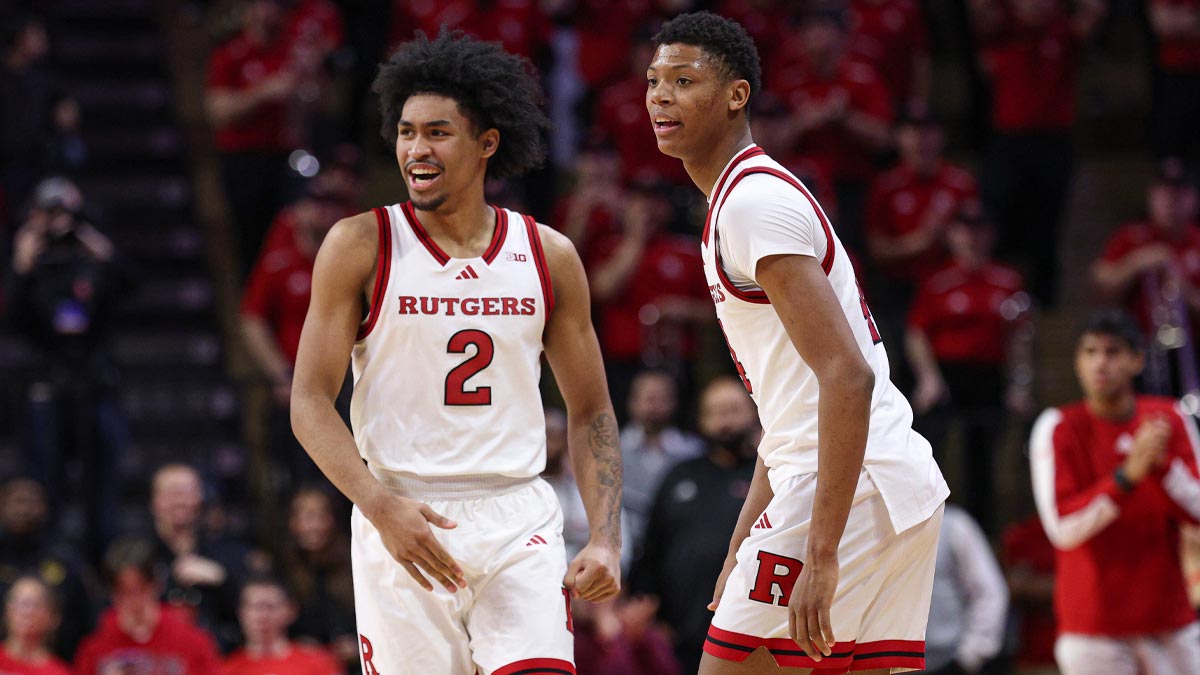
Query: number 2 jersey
x: 448, y: 360
x: 758, y: 209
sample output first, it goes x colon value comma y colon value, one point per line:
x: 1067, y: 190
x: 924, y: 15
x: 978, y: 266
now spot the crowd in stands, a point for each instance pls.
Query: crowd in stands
x: 957, y: 266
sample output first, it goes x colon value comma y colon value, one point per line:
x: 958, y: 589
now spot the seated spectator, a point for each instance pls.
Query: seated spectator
x: 69, y: 283
x: 841, y: 109
x: 908, y: 211
x: 1176, y: 27
x: 1152, y: 266
x: 970, y: 600
x: 29, y: 548
x: 1030, y: 50
x: 651, y: 444
x: 891, y: 35
x: 969, y: 345
x: 1029, y: 567
x: 650, y: 291
x: 265, y: 611
x: 203, y: 572
x: 590, y: 211
x: 316, y: 565
x: 30, y: 617
x: 140, y: 634
x: 620, y: 638
x: 697, y: 505
x: 251, y: 81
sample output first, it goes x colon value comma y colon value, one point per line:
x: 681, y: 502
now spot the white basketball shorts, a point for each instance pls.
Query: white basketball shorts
x: 513, y: 616
x: 1171, y: 653
x: 881, y: 605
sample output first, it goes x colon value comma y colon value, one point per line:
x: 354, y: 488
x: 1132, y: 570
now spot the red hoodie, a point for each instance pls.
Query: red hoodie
x: 175, y: 648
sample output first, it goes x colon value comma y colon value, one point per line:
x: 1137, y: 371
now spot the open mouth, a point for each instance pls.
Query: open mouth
x: 664, y: 125
x: 422, y: 176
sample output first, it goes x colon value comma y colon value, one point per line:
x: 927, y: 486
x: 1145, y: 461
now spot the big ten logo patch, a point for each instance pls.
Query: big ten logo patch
x: 367, y: 653
x: 516, y: 257
x: 775, y: 572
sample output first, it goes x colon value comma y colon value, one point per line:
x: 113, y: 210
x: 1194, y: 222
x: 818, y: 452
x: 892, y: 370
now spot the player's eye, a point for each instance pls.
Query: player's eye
x: 406, y: 133
x: 682, y: 81
x: 437, y: 132
x: 652, y: 81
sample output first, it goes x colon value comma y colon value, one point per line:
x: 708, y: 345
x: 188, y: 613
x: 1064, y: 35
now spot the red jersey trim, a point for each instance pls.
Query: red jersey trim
x: 537, y: 667
x: 499, y: 233
x: 844, y: 656
x: 423, y: 236
x: 383, y: 270
x: 752, y: 151
x: 539, y: 259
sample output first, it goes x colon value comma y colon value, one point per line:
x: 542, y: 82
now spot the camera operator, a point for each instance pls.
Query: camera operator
x: 66, y: 287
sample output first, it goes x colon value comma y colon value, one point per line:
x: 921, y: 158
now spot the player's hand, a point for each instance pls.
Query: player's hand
x: 730, y: 563
x: 1149, y: 448
x: 403, y: 526
x: 594, y: 574
x: 808, y: 609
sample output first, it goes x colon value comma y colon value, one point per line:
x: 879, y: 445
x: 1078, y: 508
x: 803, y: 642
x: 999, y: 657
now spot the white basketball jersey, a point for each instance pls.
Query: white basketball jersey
x: 771, y: 212
x: 447, y: 363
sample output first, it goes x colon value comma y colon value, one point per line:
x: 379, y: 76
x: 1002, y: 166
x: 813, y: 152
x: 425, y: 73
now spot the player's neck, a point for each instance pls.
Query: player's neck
x: 462, y: 227
x: 1118, y: 408
x: 25, y: 651
x: 706, y: 169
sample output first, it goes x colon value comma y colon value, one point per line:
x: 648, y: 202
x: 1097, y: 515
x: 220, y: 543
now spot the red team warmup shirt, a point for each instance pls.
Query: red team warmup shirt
x: 1134, y: 236
x: 51, y: 666
x: 962, y: 312
x: 519, y: 24
x: 1179, y: 54
x: 1033, y: 76
x: 239, y: 65
x: 1117, y: 560
x: 890, y: 35
x: 176, y: 647
x: 298, y: 661
x: 898, y: 202
x: 278, y: 291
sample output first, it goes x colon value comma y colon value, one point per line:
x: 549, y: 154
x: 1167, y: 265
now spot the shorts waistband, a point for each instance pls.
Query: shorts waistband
x: 447, y: 488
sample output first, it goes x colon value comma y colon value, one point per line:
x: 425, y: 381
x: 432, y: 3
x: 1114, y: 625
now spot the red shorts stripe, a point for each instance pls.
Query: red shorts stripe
x: 537, y: 667
x: 844, y: 657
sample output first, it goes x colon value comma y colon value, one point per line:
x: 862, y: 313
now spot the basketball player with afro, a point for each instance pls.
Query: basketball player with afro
x: 443, y: 305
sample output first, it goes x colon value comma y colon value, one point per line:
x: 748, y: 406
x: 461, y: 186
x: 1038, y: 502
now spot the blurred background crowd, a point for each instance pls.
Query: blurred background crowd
x: 996, y: 168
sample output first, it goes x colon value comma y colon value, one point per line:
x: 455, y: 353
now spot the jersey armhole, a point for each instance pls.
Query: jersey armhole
x: 539, y: 259
x: 383, y: 269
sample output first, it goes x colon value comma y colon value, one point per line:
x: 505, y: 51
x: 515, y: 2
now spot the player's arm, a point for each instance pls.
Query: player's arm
x: 345, y: 266
x: 594, y: 442
x: 800, y: 292
x: 757, y: 499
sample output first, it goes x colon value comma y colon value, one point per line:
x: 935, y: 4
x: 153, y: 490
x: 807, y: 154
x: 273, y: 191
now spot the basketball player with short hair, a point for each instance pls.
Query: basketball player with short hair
x: 832, y: 560
x: 444, y: 305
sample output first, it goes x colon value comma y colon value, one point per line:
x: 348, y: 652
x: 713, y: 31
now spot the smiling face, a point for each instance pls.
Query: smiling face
x: 440, y: 152
x: 692, y: 104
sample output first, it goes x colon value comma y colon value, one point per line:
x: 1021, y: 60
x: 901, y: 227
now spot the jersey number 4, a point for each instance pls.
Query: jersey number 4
x: 456, y: 380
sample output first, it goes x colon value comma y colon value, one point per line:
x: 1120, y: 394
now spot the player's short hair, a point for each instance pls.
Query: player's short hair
x: 1114, y: 323
x: 494, y: 90
x: 723, y: 39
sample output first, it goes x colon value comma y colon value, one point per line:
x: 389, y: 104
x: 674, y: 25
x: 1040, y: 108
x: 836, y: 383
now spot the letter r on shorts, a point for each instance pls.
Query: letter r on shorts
x: 775, y: 570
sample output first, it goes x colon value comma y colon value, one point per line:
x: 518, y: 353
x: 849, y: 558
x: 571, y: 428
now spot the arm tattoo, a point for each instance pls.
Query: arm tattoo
x: 605, y: 444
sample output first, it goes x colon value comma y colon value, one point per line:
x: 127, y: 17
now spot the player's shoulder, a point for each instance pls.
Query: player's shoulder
x: 765, y: 187
x: 556, y: 244
x: 354, y: 232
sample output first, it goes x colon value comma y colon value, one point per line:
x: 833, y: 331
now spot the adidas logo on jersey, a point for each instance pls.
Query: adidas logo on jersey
x: 535, y: 539
x: 467, y: 273
x: 763, y: 523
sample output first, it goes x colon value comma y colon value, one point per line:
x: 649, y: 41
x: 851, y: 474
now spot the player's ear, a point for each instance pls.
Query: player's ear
x: 490, y: 141
x: 739, y: 95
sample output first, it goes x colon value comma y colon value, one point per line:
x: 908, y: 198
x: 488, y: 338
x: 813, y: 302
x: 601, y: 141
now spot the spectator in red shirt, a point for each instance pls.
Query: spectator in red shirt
x: 589, y: 212
x: 908, y: 211
x: 650, y: 290
x: 266, y: 611
x: 1028, y: 559
x: 30, y: 616
x: 1113, y: 477
x: 251, y: 83
x: 841, y: 110
x: 140, y: 635
x: 621, y: 638
x: 520, y: 25
x: 968, y: 345
x: 1145, y: 262
x: 891, y: 36
x: 1176, y: 26
x: 1030, y: 50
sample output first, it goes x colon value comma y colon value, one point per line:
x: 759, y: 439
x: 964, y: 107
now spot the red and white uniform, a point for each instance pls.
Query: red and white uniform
x: 758, y: 209
x: 446, y: 410
x: 1111, y: 543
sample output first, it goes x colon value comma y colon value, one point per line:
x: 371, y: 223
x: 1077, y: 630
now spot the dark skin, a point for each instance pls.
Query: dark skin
x: 698, y: 113
x: 436, y: 138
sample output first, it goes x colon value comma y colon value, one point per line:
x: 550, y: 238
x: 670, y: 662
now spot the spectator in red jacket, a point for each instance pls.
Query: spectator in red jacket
x: 891, y: 35
x: 266, y: 611
x: 1176, y: 26
x: 139, y: 634
x: 30, y: 616
x: 1030, y: 50
x: 1113, y: 477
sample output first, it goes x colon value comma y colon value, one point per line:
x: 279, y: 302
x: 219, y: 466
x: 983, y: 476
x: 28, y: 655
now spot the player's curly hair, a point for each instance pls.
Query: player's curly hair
x: 494, y: 89
x: 724, y: 39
